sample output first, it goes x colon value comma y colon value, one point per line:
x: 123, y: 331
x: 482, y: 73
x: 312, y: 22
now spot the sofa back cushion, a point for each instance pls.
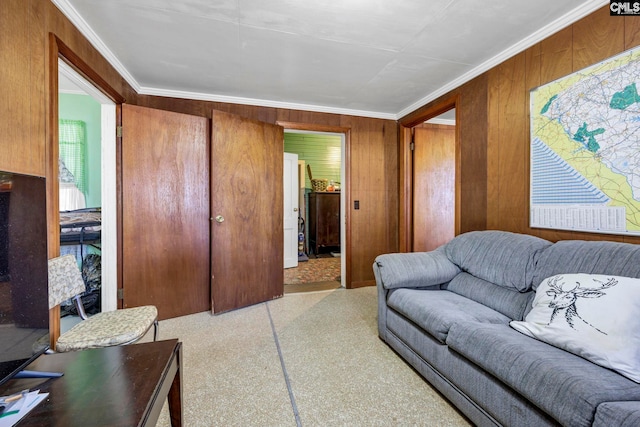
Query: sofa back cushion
x: 507, y: 301
x: 590, y: 257
x: 500, y: 257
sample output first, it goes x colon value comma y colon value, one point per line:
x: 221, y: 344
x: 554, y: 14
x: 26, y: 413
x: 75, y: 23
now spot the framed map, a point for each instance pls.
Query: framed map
x: 585, y: 149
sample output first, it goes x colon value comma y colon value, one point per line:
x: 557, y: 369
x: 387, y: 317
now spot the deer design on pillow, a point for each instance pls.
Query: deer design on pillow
x: 566, y: 299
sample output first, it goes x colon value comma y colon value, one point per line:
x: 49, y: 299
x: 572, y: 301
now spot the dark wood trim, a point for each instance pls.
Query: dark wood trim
x: 53, y: 186
x: 312, y: 127
x: 57, y: 49
x: 458, y: 163
x: 432, y: 110
x: 119, y: 212
x: 363, y: 284
x: 405, y: 158
x: 82, y: 68
x: 346, y: 193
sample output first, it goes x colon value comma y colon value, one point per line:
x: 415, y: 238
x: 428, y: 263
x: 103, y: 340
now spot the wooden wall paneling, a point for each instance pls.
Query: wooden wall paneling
x: 556, y: 56
x: 22, y: 150
x: 532, y: 80
x: 494, y: 141
x: 390, y: 189
x: 596, y: 37
x: 471, y: 126
x: 318, y: 119
x: 362, y: 235
x: 631, y: 32
x: 513, y: 147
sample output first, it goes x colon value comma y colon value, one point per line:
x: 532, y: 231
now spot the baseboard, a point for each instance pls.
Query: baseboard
x: 361, y: 284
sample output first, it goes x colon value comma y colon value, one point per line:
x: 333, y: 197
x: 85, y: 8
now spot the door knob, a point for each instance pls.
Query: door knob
x: 295, y: 209
x: 219, y: 218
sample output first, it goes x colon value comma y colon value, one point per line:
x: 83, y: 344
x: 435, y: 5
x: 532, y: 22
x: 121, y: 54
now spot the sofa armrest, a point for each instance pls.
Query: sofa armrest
x: 622, y: 414
x: 414, y: 269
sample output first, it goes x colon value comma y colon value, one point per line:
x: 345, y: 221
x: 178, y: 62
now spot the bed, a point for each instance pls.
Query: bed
x: 81, y: 227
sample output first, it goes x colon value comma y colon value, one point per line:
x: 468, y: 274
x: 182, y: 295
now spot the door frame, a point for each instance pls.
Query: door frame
x: 59, y: 51
x: 406, y: 169
x: 295, y: 191
x: 109, y: 237
x: 345, y: 193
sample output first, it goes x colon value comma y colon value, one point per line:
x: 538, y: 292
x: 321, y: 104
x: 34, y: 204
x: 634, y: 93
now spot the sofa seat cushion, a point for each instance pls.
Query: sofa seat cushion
x: 567, y: 387
x: 500, y: 257
x: 435, y: 310
x: 619, y: 414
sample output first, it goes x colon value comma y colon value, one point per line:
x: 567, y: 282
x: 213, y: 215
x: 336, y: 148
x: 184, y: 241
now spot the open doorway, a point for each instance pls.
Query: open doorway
x: 321, y: 220
x: 430, y: 177
x: 87, y: 180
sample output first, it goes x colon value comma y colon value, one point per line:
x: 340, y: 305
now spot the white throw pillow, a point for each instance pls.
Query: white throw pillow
x: 594, y: 316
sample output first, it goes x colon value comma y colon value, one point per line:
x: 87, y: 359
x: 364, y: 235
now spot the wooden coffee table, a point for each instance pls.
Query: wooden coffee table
x: 113, y: 386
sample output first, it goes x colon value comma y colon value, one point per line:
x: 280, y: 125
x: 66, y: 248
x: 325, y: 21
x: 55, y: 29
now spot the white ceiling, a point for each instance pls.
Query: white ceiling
x: 375, y: 58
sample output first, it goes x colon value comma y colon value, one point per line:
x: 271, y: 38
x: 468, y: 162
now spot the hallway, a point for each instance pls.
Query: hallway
x: 316, y: 274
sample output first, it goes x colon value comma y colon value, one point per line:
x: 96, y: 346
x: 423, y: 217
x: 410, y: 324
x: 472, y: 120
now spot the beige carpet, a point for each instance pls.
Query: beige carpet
x: 307, y: 359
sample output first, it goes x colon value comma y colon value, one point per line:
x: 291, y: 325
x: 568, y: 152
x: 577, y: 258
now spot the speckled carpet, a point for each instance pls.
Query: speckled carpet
x: 306, y: 359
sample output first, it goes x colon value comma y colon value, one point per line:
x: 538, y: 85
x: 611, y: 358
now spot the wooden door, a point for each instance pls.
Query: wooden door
x: 433, y: 186
x: 165, y: 211
x: 247, y: 248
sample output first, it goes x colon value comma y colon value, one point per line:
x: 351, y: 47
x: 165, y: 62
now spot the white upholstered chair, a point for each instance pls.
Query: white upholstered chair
x: 112, y: 328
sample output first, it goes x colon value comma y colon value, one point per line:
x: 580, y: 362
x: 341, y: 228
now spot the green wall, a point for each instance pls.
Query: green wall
x: 321, y: 151
x: 87, y: 109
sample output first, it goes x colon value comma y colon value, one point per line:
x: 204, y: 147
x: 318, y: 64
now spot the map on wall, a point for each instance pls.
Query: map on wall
x: 585, y: 149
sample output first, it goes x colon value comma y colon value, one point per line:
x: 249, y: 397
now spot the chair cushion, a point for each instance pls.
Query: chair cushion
x: 109, y: 329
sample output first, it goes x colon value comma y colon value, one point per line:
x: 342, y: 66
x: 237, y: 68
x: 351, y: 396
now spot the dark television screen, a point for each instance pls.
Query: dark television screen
x: 24, y: 296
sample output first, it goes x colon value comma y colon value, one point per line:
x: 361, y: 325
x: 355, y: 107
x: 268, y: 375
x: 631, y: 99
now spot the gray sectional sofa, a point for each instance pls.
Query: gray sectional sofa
x: 448, y: 314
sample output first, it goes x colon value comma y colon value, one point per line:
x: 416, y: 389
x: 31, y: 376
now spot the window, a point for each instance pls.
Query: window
x: 72, y: 140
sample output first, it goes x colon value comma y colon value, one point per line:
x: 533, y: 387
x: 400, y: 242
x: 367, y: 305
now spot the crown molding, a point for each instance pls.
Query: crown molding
x: 548, y: 30
x: 264, y: 103
x: 569, y: 18
x: 78, y: 21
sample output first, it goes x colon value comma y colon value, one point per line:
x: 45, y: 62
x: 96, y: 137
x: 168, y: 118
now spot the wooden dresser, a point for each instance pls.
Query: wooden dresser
x: 324, y: 220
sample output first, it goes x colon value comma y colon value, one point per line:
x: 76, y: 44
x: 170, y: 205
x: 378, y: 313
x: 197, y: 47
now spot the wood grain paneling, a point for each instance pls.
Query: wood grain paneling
x: 631, y: 32
x: 597, y: 37
x: 22, y: 151
x: 471, y: 124
x: 506, y: 160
